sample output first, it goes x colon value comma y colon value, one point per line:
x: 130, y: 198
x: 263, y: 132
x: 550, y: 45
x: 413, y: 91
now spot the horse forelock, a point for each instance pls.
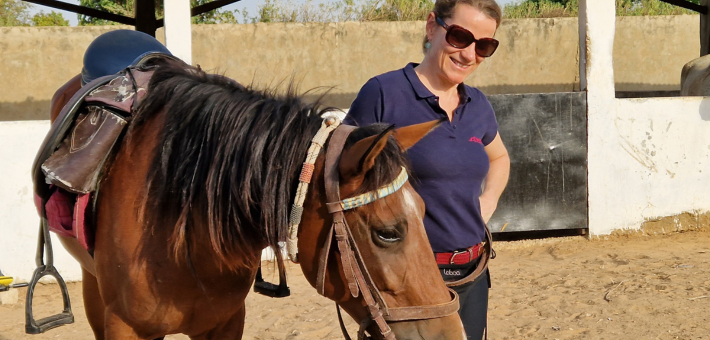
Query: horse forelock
x: 228, y: 156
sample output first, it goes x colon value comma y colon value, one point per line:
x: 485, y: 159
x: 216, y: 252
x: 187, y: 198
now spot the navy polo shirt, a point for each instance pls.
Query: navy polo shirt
x: 449, y: 164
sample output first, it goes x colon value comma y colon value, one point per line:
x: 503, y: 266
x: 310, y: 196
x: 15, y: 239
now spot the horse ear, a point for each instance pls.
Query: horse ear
x: 360, y: 158
x: 409, y: 135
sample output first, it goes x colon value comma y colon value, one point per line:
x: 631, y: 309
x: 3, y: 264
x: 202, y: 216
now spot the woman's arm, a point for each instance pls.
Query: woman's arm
x: 497, y: 177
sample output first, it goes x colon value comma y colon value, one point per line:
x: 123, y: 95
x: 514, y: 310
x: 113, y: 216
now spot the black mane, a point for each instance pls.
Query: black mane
x: 231, y: 156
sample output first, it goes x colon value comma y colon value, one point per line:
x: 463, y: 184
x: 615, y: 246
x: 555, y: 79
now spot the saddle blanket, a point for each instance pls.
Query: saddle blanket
x: 67, y: 216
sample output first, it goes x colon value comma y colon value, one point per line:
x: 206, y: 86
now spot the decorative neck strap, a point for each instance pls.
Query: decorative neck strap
x: 329, y: 124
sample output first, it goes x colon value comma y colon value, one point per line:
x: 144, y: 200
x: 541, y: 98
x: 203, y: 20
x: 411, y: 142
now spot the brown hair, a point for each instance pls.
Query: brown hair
x: 444, y: 9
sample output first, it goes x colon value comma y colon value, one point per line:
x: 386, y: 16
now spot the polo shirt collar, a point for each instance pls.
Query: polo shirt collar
x: 419, y: 89
x: 422, y: 91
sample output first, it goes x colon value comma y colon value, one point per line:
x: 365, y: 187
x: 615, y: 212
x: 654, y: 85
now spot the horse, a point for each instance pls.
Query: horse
x: 204, y: 180
x: 694, y: 77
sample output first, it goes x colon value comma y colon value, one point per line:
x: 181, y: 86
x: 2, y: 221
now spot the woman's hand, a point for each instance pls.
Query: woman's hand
x: 497, y: 177
x: 488, y: 207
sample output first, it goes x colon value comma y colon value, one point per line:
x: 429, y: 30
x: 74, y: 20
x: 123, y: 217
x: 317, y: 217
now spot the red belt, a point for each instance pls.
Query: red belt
x: 460, y: 257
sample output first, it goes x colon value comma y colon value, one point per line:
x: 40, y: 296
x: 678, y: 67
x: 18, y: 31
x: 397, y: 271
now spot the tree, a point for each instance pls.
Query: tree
x: 14, y: 13
x: 49, y: 19
x: 570, y: 8
x: 126, y: 8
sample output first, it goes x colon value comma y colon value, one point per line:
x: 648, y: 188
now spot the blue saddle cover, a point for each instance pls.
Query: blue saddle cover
x: 113, y: 51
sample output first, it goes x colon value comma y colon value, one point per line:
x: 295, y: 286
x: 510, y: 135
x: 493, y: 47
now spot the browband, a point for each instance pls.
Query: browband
x: 371, y: 196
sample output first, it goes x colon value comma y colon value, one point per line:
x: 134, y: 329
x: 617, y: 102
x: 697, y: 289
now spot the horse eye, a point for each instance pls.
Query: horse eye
x: 388, y: 235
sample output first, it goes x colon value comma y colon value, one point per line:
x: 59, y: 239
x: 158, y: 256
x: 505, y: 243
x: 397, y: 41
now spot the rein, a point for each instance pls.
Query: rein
x: 356, y: 274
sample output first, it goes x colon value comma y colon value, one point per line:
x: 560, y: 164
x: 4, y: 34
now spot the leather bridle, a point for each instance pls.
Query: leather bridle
x: 358, y: 278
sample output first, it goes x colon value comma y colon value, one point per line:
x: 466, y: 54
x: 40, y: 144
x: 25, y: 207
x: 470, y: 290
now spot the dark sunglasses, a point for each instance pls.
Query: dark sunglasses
x: 460, y: 37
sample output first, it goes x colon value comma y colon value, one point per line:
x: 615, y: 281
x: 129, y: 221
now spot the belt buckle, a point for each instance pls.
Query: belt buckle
x: 460, y: 252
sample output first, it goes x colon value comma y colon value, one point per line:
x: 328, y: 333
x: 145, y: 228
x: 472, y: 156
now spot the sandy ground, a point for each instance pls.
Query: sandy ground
x: 653, y: 284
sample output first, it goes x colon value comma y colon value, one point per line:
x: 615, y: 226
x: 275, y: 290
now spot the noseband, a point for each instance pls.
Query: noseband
x: 357, y: 277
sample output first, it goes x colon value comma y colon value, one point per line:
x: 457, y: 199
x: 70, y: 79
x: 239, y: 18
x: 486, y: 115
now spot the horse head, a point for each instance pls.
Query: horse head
x: 388, y: 240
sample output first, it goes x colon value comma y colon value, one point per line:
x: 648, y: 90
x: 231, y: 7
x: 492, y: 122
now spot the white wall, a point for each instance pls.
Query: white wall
x: 19, y: 222
x: 647, y: 158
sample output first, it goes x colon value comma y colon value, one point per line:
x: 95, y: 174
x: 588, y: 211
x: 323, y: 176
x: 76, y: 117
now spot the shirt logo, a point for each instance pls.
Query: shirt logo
x: 475, y: 140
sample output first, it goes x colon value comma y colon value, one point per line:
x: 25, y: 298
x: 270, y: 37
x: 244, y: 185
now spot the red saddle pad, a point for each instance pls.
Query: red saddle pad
x: 67, y: 216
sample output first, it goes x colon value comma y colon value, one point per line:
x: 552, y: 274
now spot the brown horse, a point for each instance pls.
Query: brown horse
x: 204, y: 180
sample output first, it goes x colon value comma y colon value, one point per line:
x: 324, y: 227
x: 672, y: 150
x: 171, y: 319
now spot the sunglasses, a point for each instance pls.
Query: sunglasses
x: 460, y: 37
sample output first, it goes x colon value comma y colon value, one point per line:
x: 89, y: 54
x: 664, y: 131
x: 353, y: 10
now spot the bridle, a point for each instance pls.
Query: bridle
x: 357, y: 276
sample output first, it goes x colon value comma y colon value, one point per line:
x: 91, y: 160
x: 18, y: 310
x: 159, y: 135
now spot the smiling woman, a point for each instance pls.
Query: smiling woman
x: 449, y: 165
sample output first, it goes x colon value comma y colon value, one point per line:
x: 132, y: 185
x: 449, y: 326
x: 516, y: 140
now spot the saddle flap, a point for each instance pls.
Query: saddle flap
x: 75, y: 166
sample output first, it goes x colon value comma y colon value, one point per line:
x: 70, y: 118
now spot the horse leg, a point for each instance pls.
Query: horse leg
x: 230, y: 330
x: 93, y: 304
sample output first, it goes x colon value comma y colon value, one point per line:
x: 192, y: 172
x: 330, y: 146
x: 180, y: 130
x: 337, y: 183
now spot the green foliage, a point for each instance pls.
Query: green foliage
x: 569, y: 8
x: 341, y: 10
x: 308, y: 11
x: 17, y: 13
x: 649, y: 7
x: 14, y: 13
x: 49, y: 19
x: 397, y: 10
x: 217, y: 16
x: 541, y: 9
x: 120, y: 7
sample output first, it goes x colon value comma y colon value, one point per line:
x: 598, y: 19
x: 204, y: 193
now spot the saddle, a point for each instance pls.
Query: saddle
x: 69, y: 165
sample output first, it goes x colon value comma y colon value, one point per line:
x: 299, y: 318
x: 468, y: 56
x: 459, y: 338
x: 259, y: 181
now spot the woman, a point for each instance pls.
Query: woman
x: 451, y: 164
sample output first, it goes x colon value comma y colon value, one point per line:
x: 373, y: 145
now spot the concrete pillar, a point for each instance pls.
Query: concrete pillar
x: 178, y: 28
x: 597, y: 20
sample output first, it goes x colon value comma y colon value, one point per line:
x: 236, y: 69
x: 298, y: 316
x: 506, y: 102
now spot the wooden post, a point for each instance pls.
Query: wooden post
x: 145, y: 16
x: 704, y: 31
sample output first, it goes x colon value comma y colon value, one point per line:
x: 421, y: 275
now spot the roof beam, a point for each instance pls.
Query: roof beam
x: 688, y: 5
x: 85, y: 11
x: 145, y: 20
x: 211, y: 6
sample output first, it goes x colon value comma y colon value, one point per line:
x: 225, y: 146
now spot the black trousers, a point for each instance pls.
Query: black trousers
x: 473, y: 298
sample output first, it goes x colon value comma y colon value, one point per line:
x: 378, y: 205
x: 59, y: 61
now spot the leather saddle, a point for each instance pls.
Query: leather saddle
x: 81, y: 138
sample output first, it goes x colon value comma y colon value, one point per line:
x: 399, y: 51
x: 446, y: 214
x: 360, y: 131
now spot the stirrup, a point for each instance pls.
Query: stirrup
x: 270, y: 289
x: 33, y: 326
